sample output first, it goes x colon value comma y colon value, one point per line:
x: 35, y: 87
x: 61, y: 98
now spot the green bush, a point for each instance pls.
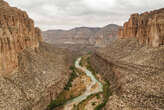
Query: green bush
x: 72, y: 77
x: 71, y: 67
x: 93, y: 103
x: 97, y: 96
x: 60, y: 100
x: 106, y: 94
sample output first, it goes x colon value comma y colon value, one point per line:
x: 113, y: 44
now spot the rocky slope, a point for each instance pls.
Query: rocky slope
x: 82, y: 35
x: 146, y: 27
x: 41, y: 76
x: 135, y: 73
x: 32, y: 73
x: 17, y: 32
x: 135, y: 70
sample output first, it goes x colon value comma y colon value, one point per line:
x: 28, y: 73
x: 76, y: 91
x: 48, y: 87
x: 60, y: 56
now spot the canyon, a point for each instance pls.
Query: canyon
x: 37, y: 69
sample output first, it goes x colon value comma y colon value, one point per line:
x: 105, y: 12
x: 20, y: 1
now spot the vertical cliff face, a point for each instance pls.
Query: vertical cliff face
x: 17, y: 32
x: 147, y: 27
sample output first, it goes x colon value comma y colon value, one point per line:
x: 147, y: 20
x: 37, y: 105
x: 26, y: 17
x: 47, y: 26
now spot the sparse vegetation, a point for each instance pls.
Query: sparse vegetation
x: 81, y: 64
x: 93, y: 103
x: 82, y: 104
x: 106, y: 94
x: 98, y: 96
x: 106, y: 91
x: 72, y: 77
x: 61, y: 99
x: 89, y: 67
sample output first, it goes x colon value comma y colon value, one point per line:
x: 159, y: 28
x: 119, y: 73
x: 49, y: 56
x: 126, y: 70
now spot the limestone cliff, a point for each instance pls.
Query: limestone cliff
x: 17, y: 32
x: 147, y: 27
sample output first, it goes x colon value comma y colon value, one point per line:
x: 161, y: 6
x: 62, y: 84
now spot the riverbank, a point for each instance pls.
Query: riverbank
x: 85, y: 91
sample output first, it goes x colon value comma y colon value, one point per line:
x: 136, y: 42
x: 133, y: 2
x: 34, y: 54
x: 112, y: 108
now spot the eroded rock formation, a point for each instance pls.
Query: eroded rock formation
x: 147, y: 27
x: 17, y: 32
x: 39, y: 70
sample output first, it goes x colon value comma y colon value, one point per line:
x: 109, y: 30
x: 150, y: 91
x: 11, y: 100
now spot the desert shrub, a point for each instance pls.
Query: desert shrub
x: 60, y: 100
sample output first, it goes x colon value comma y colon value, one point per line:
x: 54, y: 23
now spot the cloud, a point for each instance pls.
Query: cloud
x: 54, y: 14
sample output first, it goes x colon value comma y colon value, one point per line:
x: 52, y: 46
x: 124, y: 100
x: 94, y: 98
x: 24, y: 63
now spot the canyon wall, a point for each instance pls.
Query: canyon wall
x: 17, y: 32
x: 39, y: 70
x: 147, y: 27
x: 135, y: 73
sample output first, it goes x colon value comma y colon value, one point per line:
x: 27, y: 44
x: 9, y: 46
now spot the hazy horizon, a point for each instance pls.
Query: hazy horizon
x: 64, y: 14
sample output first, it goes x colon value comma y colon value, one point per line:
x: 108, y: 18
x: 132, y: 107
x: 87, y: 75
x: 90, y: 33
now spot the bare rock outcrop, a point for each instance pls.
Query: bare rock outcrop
x: 147, y: 27
x: 17, y: 32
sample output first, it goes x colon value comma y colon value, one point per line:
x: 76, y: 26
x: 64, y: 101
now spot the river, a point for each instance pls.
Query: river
x: 89, y: 90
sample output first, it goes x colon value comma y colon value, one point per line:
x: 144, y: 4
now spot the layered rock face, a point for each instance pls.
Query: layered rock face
x: 83, y: 35
x: 17, y: 32
x: 105, y: 35
x: 147, y: 27
x: 74, y: 36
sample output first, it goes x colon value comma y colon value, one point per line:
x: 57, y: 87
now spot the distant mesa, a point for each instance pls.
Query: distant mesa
x: 83, y: 35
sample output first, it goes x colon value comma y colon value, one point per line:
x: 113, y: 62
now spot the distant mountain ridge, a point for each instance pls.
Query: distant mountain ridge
x: 83, y: 35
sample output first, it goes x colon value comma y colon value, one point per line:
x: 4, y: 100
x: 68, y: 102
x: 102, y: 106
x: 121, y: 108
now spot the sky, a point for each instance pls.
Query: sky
x: 67, y: 14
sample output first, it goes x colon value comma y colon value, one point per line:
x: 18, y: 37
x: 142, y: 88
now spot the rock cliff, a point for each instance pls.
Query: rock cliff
x: 39, y: 70
x: 40, y: 77
x: 17, y: 32
x: 147, y: 27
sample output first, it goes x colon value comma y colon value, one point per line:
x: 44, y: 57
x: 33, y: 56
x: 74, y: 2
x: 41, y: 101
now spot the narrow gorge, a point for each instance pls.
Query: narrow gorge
x: 85, y: 90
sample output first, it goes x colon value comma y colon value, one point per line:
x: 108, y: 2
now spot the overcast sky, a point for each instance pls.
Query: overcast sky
x: 66, y: 14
